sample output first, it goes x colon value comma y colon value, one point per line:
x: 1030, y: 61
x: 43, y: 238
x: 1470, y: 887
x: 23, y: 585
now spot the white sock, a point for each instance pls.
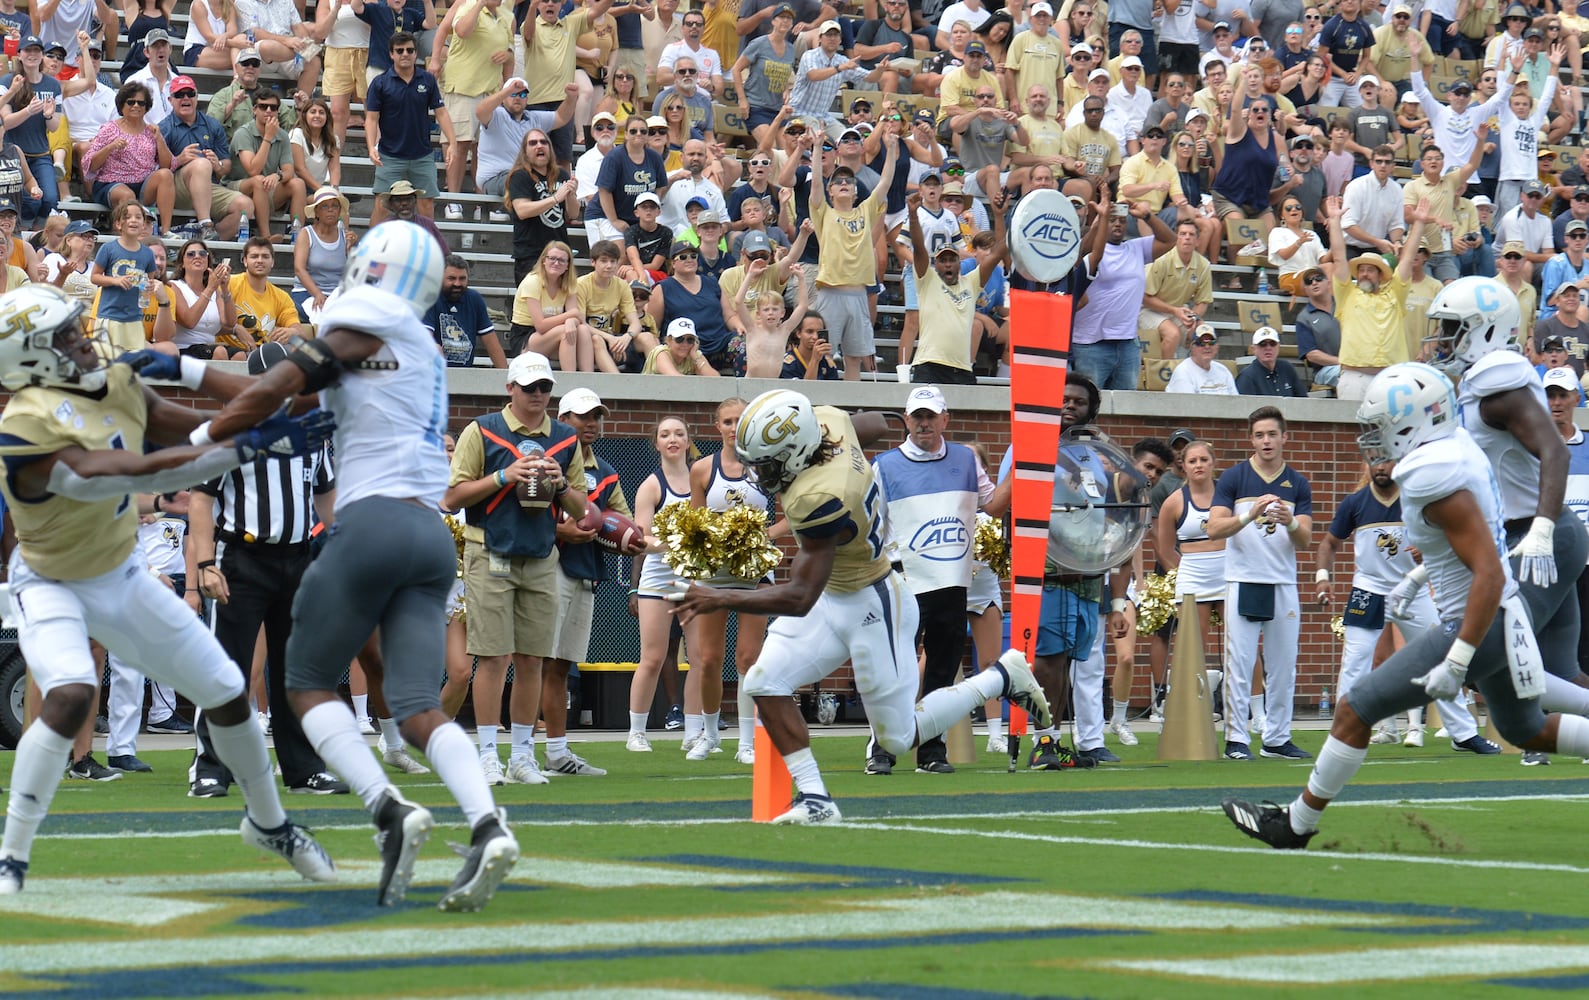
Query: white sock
x: 940, y: 709
x: 995, y: 726
x: 556, y: 746
x: 1414, y: 718
x: 1572, y: 736
x: 391, y: 739
x: 334, y: 733
x: 1564, y: 696
x: 487, y: 735
x: 1121, y: 707
x: 242, y: 749
x: 1050, y: 731
x: 1304, y: 818
x: 459, y: 769
x: 1336, y: 764
x: 361, y: 707
x: 710, y: 728
x: 637, y: 722
x: 747, y: 718
x: 693, y: 725
x: 42, y: 757
x: 803, y: 769
x: 523, y: 741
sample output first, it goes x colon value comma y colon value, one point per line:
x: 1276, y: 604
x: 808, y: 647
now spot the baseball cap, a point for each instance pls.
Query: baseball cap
x: 1081, y: 48
x: 1204, y: 334
x: 1130, y: 61
x: 681, y: 328
x: 581, y: 401
x: 827, y: 26
x: 709, y: 218
x: 1183, y: 435
x: 1581, y: 191
x: 1196, y: 113
x: 1462, y: 87
x: 1516, y: 10
x: 1561, y: 378
x: 529, y: 368
x: 1535, y: 187
x: 1577, y: 226
x: 1298, y: 140
x: 1511, y: 246
x: 1308, y: 272
x: 1530, y: 33
x: 755, y: 242
x: 977, y: 48
x: 850, y: 135
x: 1411, y: 98
x: 860, y: 101
x: 266, y: 355
x: 947, y: 248
x: 1553, y: 344
x: 1153, y: 132
x: 679, y: 246
x: 1483, y: 201
x: 1367, y: 80
x: 156, y: 35
x: 640, y: 288
x: 647, y: 198
x: 249, y: 54
x: 80, y: 227
x: 926, y: 397
x: 656, y: 121
x: 55, y: 47
x: 1220, y: 26
x: 403, y: 189
x: 954, y: 189
x: 1400, y: 8
x: 181, y: 83
x: 1097, y: 73
x: 8, y: 205
x: 31, y: 42
x: 1042, y: 8
x: 603, y: 116
x: 1265, y: 335
x: 782, y: 9
x: 926, y: 115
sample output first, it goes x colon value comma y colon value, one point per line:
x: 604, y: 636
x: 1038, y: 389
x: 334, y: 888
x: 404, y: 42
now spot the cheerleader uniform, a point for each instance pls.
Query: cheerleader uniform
x: 1201, y: 574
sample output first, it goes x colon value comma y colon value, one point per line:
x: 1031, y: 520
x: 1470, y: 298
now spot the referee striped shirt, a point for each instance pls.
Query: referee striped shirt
x: 271, y: 500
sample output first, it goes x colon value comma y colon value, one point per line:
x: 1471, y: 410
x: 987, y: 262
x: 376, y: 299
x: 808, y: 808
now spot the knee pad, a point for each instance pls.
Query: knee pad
x: 760, y: 684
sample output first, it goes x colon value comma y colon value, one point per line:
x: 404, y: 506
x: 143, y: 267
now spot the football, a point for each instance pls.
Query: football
x: 536, y: 492
x: 620, y: 534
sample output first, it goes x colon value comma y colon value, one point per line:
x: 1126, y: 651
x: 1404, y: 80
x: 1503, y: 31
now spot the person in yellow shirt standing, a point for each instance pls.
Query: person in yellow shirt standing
x: 549, y: 61
x: 848, y: 267
x: 1372, y: 313
x: 1035, y: 59
x: 479, y: 61
x: 948, y: 301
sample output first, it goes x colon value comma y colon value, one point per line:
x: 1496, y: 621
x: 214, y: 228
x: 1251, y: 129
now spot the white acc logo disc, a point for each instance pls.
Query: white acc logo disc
x: 1045, y: 235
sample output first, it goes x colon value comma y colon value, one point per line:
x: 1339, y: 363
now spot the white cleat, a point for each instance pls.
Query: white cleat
x: 525, y: 771
x: 1121, y: 730
x: 705, y: 746
x: 1414, y: 737
x: 296, y: 845
x: 491, y: 767
x: 746, y: 754
x: 810, y: 810
x: 12, y: 873
x: 399, y: 760
x: 1022, y: 688
x: 638, y: 743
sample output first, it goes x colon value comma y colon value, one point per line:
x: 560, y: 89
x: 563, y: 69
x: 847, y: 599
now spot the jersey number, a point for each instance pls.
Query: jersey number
x: 874, y: 520
x: 118, y: 443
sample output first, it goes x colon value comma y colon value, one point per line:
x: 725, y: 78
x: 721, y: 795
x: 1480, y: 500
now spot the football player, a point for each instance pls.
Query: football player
x: 843, y: 601
x: 72, y: 438
x: 1451, y: 506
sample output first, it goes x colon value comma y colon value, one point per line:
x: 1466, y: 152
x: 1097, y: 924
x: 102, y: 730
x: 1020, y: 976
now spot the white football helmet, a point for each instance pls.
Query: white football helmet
x: 1471, y: 317
x: 401, y: 258
x: 43, y: 342
x: 1406, y: 405
x: 778, y: 433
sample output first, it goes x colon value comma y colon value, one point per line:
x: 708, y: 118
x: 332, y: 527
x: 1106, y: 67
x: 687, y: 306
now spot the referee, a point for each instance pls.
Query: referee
x: 251, y: 548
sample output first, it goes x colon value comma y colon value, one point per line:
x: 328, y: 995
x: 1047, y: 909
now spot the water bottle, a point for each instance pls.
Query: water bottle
x: 1263, y: 282
x: 143, y: 293
x: 1324, y: 703
x: 242, y: 230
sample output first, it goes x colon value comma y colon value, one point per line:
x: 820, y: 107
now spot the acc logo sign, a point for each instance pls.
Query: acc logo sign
x: 943, y: 539
x: 1045, y: 235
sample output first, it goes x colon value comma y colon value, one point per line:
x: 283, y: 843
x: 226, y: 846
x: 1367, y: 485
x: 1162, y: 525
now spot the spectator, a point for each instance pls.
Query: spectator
x: 847, y: 227
x: 316, y: 147
x: 940, y: 228
x: 211, y: 26
x: 262, y: 167
x: 1130, y: 96
x: 276, y: 29
x: 605, y: 128
x: 460, y: 321
x: 1073, y: 85
x: 1371, y: 312
x: 679, y: 354
x: 1567, y: 267
x: 28, y: 113
x: 757, y: 187
x: 1442, y: 191
x: 688, y: 294
x: 386, y: 18
x: 948, y: 302
x: 1528, y: 225
x: 1474, y: 255
x: 129, y: 158
x: 1135, y: 15
x: 397, y: 113
x: 478, y: 61
x: 622, y: 100
x: 1455, y: 125
x: 156, y: 75
x: 233, y: 104
x: 1374, y: 219
x: 1512, y: 270
x: 823, y: 70
x: 984, y: 130
x: 657, y: 33
x: 1372, y: 125
x: 689, y: 183
x: 1104, y: 344
x: 549, y: 58
x: 592, y: 63
x: 1194, y: 181
x: 1566, y: 328
x: 627, y: 173
x: 808, y: 354
x: 204, y: 309
x: 403, y: 200
x: 1269, y: 374
x: 1179, y: 290
x: 1507, y: 43
x: 764, y: 70
x: 706, y: 61
x: 606, y: 302
x: 1346, y: 40
x: 88, y: 104
x: 1317, y: 331
x: 1148, y: 176
x: 1202, y: 373
x: 546, y: 313
x: 1169, y: 112
x: 264, y: 311
x: 960, y: 84
x: 759, y: 318
x: 887, y: 37
x: 1571, y: 209
x: 1035, y: 59
x: 646, y: 243
x: 1391, y: 54
x: 1294, y: 249
x: 1045, y: 137
x: 68, y: 268
x: 201, y: 158
x: 347, y: 56
x: 1113, y: 117
x: 60, y: 22
x: 1252, y: 145
x: 120, y: 268
x: 1090, y: 154
x: 541, y: 198
x: 320, y: 253
x: 1520, y: 121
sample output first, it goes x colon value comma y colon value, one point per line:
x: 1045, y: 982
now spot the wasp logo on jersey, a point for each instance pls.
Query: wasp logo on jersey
x: 1388, y: 542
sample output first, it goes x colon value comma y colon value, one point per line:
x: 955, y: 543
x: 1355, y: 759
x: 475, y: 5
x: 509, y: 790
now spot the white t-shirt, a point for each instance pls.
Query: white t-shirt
x: 1308, y: 256
x: 961, y: 11
x: 76, y: 284
x: 317, y: 160
x: 209, y: 324
x: 86, y: 112
x: 706, y: 60
x: 1188, y: 377
x: 161, y: 109
x: 347, y: 31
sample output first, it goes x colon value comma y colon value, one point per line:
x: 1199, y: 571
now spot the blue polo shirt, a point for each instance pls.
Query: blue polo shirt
x: 404, y: 109
x: 205, y: 132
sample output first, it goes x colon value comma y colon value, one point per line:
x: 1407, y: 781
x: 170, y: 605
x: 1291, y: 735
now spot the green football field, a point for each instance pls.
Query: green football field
x: 1438, y: 874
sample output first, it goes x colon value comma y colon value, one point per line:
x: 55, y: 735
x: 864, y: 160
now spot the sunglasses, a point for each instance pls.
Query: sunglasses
x: 1313, y: 17
x: 1303, y: 145
x: 197, y: 253
x: 1533, y: 194
x: 604, y: 127
x: 1382, y: 162
x: 1294, y: 31
x: 761, y: 163
x: 406, y: 50
x: 1204, y: 342
x: 955, y: 171
x: 272, y: 108
x: 184, y: 95
x: 692, y: 341
x: 1316, y: 279
x: 520, y: 93
x: 255, y: 62
x: 557, y: 260
x: 136, y: 102
x: 537, y: 387
x: 1512, y: 256
x: 685, y: 72
x: 691, y: 255
x: 657, y: 131
x: 760, y: 256
x: 536, y: 142
x: 1293, y: 208
x: 1578, y: 236
x: 636, y: 131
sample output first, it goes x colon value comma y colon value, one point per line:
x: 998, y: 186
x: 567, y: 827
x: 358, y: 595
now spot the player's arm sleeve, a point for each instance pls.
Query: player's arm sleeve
x: 65, y: 481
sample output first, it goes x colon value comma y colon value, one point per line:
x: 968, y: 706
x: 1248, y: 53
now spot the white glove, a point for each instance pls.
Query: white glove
x: 1399, y: 602
x: 1538, y: 553
x: 1445, y: 681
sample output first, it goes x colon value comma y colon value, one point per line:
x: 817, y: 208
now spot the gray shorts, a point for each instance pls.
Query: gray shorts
x: 849, y: 321
x: 360, y: 582
x: 421, y: 173
x: 1554, y: 610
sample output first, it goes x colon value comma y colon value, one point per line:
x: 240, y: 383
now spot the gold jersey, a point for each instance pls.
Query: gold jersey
x: 841, y: 494
x: 61, y: 538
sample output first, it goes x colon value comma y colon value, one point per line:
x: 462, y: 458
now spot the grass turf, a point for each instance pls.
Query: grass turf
x: 1437, y: 874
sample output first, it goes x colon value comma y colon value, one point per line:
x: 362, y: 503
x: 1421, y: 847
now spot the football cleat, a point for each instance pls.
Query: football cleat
x: 1475, y: 744
x: 1022, y: 688
x: 1534, y: 758
x: 490, y: 856
x: 12, y: 874
x: 881, y: 762
x: 1267, y: 822
x: 574, y: 764
x: 86, y: 768
x: 401, y: 829
x: 1048, y: 754
x: 810, y: 810
x: 296, y: 845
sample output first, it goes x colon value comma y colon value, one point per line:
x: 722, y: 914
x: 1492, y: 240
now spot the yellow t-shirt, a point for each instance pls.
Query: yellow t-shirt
x: 470, y: 70
x: 1419, y: 295
x: 1442, y: 197
x: 1100, y: 150
x: 947, y: 314
x: 1043, y: 135
x: 549, y: 56
x: 61, y: 538
x: 730, y: 280
x: 1071, y: 94
x: 261, y: 313
x: 1037, y: 61
x: 604, y: 308
x: 954, y: 93
x: 1393, y: 59
x: 1177, y: 284
x: 1137, y: 170
x: 846, y: 240
x: 685, y: 367
x: 721, y: 34
x: 530, y: 288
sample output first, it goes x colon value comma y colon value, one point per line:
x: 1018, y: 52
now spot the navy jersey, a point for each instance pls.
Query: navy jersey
x: 1262, y: 552
x: 1379, y: 540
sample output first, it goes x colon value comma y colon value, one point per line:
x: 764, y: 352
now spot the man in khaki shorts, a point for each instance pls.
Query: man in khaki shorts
x: 510, y: 555
x: 347, y: 40
x: 200, y: 158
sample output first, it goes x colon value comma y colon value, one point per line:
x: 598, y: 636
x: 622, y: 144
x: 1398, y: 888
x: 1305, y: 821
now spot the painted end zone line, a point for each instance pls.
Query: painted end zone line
x: 1330, y: 856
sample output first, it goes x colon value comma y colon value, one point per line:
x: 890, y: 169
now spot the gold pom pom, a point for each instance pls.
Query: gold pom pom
x: 722, y: 546
x: 1156, y: 605
x: 990, y: 546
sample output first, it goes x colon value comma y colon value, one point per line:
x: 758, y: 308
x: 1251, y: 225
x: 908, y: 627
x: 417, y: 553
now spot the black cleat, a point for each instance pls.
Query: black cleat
x: 488, y: 859
x: 401, y: 830
x: 1268, y: 823
x: 1048, y: 754
x: 881, y: 762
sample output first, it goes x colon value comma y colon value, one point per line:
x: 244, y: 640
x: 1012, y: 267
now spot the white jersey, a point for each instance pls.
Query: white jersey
x: 161, y: 543
x: 1516, y: 468
x: 391, y: 409
x: 1433, y: 472
x: 941, y: 230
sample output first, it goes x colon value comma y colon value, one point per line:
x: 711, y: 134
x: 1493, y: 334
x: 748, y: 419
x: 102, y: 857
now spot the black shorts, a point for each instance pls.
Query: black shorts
x: 932, y: 373
x: 1178, y: 57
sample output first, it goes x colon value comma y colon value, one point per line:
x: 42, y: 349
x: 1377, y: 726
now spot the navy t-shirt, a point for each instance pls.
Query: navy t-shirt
x: 31, y: 135
x: 1346, y: 42
x: 115, y: 260
x: 628, y: 180
x: 458, y: 325
x: 404, y: 110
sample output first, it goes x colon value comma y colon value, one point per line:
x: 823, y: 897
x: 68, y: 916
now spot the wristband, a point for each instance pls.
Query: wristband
x: 1461, y: 653
x: 1246, y: 518
x: 201, y: 433
x: 502, y: 477
x: 1322, y: 576
x: 206, y: 564
x: 1117, y: 606
x: 156, y: 503
x: 192, y: 377
x: 1294, y: 526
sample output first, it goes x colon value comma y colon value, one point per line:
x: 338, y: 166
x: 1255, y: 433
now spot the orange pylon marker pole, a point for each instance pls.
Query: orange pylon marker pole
x: 771, y: 788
